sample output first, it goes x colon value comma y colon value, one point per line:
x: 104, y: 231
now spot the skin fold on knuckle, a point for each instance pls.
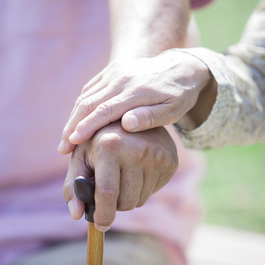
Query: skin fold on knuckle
x: 107, y: 194
x: 109, y: 142
x: 86, y: 106
x: 159, y: 156
x: 138, y: 151
x: 156, y: 156
x: 105, y: 110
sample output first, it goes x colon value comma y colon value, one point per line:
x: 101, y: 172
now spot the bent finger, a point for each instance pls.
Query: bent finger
x: 92, y: 91
x: 107, y: 176
x: 82, y: 109
x: 150, y: 179
x: 94, y: 86
x: 105, y: 113
x: 130, y: 187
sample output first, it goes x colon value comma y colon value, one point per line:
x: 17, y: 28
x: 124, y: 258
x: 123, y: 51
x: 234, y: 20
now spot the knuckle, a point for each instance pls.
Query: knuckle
x: 85, y: 106
x: 139, y: 152
x: 124, y: 78
x: 108, y: 193
x: 110, y: 142
x: 159, y: 156
x: 156, y: 154
x: 105, y: 110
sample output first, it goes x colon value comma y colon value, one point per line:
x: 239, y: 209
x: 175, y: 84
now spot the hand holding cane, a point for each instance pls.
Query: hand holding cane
x: 85, y: 190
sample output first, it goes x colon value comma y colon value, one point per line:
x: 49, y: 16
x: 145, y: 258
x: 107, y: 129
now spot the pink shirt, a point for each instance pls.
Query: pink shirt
x: 49, y: 49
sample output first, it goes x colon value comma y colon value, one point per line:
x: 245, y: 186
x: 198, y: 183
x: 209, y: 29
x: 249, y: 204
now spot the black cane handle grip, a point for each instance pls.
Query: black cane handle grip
x: 85, y: 190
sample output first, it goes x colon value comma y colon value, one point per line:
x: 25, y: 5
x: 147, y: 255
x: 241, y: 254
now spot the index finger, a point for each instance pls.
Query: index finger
x: 107, y: 176
x: 109, y: 111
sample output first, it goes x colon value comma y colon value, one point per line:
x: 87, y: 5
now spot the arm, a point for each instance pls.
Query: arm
x: 146, y: 28
x: 237, y: 114
x: 138, y: 29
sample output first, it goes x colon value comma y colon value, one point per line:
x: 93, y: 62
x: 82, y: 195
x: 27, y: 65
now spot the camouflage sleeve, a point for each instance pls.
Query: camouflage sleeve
x: 238, y: 115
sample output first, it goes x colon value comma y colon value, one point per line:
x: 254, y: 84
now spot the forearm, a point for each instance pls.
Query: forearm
x: 238, y: 115
x: 146, y: 28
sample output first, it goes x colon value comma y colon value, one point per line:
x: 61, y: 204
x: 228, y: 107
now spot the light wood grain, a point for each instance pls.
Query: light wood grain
x: 95, y: 245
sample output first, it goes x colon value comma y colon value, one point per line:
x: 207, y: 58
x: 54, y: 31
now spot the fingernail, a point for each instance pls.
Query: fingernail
x: 61, y: 146
x: 102, y: 228
x: 74, y: 136
x: 71, y: 208
x: 132, y: 122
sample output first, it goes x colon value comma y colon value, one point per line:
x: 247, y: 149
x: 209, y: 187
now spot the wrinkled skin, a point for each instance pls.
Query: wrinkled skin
x: 144, y: 93
x: 128, y: 169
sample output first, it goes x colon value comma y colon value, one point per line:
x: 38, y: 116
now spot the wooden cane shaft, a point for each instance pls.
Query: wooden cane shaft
x: 95, y: 245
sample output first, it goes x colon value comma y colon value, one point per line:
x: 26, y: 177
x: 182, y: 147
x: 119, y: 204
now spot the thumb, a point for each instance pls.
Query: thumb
x: 146, y: 117
x: 77, y: 167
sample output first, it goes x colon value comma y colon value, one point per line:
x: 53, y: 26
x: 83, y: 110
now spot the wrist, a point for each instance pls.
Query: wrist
x: 203, y: 106
x: 203, y: 89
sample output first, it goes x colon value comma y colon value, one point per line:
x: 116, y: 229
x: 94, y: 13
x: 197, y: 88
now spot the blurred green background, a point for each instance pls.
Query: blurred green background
x: 234, y: 189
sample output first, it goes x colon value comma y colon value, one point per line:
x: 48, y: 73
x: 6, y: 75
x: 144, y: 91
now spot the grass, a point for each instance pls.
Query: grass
x: 234, y: 188
x: 222, y: 23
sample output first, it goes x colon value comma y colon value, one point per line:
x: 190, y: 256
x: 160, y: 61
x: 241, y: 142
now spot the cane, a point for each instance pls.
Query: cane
x: 84, y: 190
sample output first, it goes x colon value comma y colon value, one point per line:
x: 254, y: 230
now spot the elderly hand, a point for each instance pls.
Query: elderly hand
x: 145, y: 93
x: 128, y: 169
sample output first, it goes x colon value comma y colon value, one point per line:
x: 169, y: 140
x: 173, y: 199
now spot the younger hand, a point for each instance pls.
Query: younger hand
x: 128, y: 169
x: 144, y: 93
